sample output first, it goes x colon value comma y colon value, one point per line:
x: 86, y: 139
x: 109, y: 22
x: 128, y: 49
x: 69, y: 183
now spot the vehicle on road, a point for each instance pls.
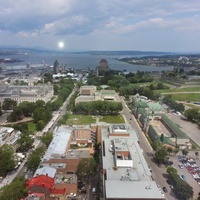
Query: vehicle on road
x: 71, y: 195
x: 164, y: 189
x: 169, y: 182
x: 183, y: 177
x: 93, y: 190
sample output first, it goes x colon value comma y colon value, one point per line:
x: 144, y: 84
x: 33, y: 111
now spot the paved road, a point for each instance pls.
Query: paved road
x: 50, y: 126
x: 159, y: 173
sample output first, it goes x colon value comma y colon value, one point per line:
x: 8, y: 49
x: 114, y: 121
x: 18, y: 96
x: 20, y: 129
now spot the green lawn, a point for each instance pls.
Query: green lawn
x: 89, y: 119
x: 112, y: 119
x: 186, y: 89
x: 80, y: 120
x: 192, y: 106
x: 186, y: 97
x: 31, y: 127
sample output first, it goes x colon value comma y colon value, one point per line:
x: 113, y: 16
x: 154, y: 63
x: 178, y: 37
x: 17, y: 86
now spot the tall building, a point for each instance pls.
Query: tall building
x: 56, y: 67
x: 103, y: 66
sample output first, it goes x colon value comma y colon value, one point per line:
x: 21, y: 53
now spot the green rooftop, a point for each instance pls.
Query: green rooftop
x: 172, y: 126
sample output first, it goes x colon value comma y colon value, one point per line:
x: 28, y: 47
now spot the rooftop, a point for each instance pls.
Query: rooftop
x: 126, y: 167
x: 59, y: 143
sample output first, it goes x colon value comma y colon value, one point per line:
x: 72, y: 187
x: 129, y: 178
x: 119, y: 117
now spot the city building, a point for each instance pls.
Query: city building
x: 60, y: 161
x: 154, y: 121
x: 9, y: 136
x: 103, y: 65
x: 90, y: 93
x: 125, y: 173
x: 26, y: 93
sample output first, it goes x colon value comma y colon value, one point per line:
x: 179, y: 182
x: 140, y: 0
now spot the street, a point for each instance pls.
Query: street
x: 159, y: 173
x: 49, y: 127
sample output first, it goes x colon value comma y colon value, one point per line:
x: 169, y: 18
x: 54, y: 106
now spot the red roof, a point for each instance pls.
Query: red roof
x: 58, y: 191
x: 41, y: 180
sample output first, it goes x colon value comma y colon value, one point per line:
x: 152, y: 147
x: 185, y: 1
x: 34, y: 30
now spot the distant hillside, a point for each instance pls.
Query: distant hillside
x: 121, y: 53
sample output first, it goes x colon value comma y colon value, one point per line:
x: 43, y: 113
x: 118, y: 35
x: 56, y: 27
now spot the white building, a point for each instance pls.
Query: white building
x: 126, y: 174
x: 9, y: 136
x: 26, y: 93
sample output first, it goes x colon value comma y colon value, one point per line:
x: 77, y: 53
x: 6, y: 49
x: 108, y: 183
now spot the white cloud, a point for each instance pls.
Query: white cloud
x: 114, y: 19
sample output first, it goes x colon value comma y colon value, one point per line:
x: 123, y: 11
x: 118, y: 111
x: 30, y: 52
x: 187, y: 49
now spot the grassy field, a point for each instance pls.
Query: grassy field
x: 89, y: 119
x: 80, y: 120
x: 186, y: 97
x: 186, y: 89
x: 192, y: 106
x: 112, y: 119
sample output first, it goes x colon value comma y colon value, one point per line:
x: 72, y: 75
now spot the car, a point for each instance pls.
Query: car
x: 183, y: 177
x: 169, y: 162
x: 72, y: 195
x: 159, y: 187
x: 169, y: 182
x: 181, y: 166
x: 164, y: 189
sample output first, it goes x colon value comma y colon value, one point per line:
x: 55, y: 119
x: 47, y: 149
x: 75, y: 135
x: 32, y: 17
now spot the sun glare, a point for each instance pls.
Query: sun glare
x: 60, y: 44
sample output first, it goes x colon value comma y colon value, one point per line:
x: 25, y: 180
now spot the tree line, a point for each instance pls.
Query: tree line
x: 98, y: 108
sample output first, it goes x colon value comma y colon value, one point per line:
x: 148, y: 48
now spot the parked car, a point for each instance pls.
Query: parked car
x: 164, y: 189
x: 71, y: 195
x: 169, y: 182
x: 183, y: 177
x: 169, y: 162
x: 181, y: 165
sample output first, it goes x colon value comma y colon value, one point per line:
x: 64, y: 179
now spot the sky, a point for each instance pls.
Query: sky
x: 144, y: 25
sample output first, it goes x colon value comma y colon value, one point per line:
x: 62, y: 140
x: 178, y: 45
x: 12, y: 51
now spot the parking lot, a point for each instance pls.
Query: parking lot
x: 184, y: 171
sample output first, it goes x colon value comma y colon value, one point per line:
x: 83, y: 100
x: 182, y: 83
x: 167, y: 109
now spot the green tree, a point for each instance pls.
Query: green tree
x: 185, y: 152
x: 40, y: 125
x: 9, y: 104
x: 86, y: 167
x: 7, y: 159
x: 47, y: 138
x: 176, y: 151
x: 40, y: 103
x: 15, y: 190
x: 42, y: 114
x: 25, y: 142
x: 160, y: 154
x: 182, y: 189
x: 27, y: 108
x: 171, y: 170
x: 33, y: 160
x: 192, y: 114
x: 160, y: 86
x: 169, y: 150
